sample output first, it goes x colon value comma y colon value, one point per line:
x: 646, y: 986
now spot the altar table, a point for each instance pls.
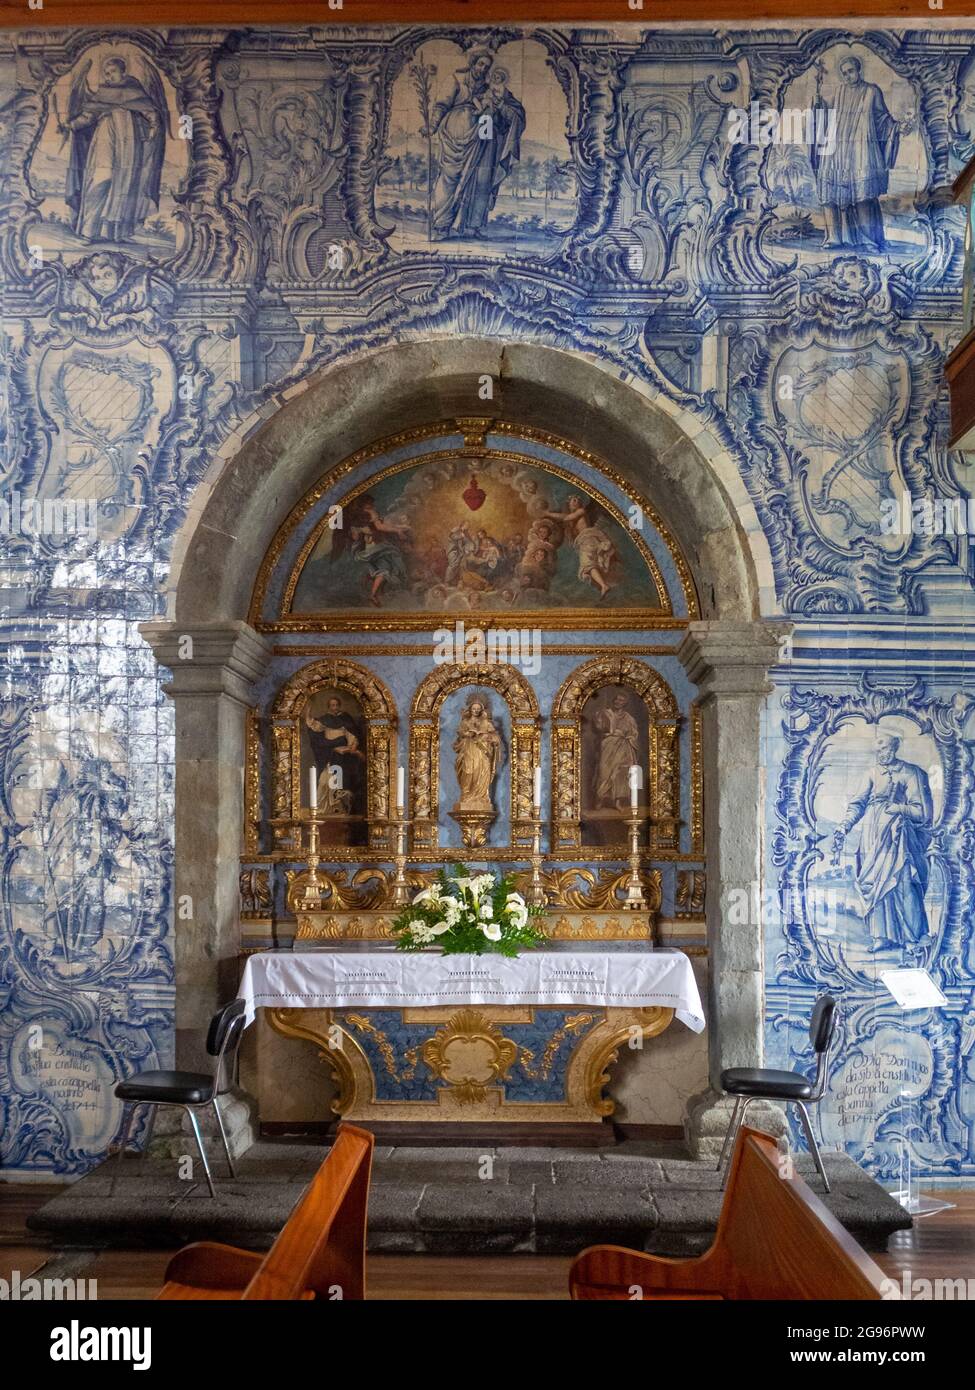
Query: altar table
x: 501, y: 1039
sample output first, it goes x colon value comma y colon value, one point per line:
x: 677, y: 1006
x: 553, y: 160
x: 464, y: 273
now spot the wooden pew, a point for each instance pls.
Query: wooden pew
x: 321, y: 1247
x: 775, y: 1240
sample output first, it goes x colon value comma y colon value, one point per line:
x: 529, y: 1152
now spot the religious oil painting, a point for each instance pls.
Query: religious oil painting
x: 469, y: 535
x: 333, y: 742
x: 477, y: 154
x: 615, y: 737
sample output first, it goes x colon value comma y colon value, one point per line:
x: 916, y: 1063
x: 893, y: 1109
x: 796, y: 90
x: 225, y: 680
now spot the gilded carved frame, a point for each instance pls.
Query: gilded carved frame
x: 379, y: 712
x: 523, y: 754
x: 664, y: 748
x: 474, y: 432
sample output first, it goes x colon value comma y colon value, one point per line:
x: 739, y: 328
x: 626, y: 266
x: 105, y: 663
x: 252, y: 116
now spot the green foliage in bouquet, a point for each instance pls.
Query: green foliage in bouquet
x: 465, y: 913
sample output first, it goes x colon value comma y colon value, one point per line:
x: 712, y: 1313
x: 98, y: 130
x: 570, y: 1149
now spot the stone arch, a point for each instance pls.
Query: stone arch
x: 523, y: 755
x: 661, y: 448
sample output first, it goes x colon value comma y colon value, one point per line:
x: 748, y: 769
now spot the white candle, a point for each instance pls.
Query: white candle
x: 634, y: 787
x: 400, y: 788
x: 537, y: 790
x: 313, y: 788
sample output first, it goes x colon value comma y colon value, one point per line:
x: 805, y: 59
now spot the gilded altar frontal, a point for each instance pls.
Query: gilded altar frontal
x: 487, y: 447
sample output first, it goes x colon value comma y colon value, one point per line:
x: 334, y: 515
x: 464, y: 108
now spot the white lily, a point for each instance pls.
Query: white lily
x: 439, y: 928
x: 427, y: 895
x: 517, y: 909
x: 491, y: 930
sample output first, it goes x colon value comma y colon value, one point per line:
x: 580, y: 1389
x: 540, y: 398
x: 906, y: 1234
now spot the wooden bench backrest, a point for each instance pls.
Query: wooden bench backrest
x: 777, y: 1240
x: 321, y: 1248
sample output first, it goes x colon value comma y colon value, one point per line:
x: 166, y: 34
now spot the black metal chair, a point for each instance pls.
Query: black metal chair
x: 191, y: 1090
x: 761, y: 1083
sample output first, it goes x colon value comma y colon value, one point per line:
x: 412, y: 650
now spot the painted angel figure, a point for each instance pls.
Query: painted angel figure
x: 594, y: 548
x: 118, y: 135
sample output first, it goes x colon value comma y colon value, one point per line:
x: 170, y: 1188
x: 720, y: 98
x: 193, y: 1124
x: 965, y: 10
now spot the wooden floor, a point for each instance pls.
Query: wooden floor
x: 941, y: 1246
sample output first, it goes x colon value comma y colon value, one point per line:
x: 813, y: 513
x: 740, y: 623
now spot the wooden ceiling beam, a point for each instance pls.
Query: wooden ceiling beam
x: 135, y: 14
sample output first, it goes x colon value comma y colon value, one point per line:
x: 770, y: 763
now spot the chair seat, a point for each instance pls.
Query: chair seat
x: 759, y: 1081
x: 178, y: 1087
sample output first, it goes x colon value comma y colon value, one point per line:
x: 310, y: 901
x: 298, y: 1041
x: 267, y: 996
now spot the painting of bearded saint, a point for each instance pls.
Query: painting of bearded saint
x: 479, y: 128
x: 619, y: 750
x: 614, y: 739
x: 118, y: 134
x: 336, y: 744
x: 895, y: 813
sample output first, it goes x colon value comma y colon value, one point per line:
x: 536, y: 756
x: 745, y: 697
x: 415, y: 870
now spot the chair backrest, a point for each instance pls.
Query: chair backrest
x: 822, y: 1023
x: 223, y: 1039
x: 321, y: 1249
x: 777, y: 1240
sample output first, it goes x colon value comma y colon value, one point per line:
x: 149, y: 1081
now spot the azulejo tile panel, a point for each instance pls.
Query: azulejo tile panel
x: 194, y: 221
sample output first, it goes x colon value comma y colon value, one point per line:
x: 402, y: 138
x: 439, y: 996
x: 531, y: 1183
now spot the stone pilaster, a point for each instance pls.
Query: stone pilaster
x: 213, y: 668
x: 729, y: 663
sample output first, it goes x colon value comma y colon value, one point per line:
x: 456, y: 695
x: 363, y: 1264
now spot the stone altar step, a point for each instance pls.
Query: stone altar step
x: 459, y: 1200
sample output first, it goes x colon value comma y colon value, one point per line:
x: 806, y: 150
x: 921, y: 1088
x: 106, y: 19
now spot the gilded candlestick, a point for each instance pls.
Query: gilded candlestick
x: 401, y: 888
x: 635, y: 901
x: 536, y: 890
x: 312, y: 894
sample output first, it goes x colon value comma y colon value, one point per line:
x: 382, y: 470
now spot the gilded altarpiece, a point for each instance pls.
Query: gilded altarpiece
x: 471, y: 531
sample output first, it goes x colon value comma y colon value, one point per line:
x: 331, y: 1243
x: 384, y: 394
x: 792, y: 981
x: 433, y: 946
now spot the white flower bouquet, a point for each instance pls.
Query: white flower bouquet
x: 465, y: 913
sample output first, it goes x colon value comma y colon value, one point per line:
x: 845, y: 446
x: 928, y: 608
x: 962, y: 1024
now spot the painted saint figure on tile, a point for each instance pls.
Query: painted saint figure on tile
x: 118, y: 134
x: 895, y: 811
x: 479, y: 127
x: 853, y: 173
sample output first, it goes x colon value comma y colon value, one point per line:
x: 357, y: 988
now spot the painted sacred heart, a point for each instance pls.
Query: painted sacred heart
x: 473, y: 495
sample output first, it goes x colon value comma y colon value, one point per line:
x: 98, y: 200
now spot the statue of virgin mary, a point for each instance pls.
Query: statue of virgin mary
x: 479, y: 752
